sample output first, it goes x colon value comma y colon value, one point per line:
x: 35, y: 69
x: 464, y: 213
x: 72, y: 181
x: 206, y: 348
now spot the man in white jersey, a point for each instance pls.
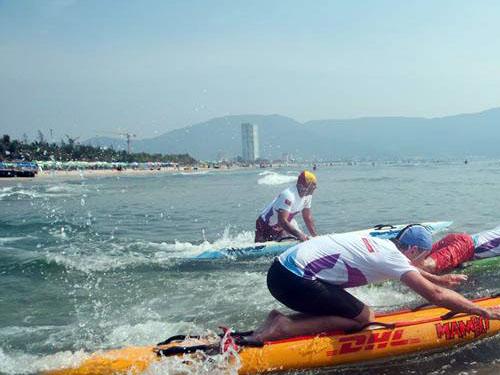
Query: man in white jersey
x: 277, y: 221
x: 311, y: 278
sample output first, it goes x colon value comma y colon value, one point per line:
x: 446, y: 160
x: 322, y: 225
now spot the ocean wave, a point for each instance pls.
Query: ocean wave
x: 273, y: 178
x: 225, y: 364
x: 18, y: 331
x: 65, y: 189
x: 23, y: 363
x: 194, y: 173
x: 97, y: 262
x: 4, y: 240
x: 148, y: 333
x: 385, y: 296
x: 21, y: 192
x: 91, y: 256
x: 371, y: 179
x: 265, y: 173
x: 80, y: 251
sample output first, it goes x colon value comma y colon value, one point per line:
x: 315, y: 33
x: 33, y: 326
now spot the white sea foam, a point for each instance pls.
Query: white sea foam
x: 19, y: 194
x: 273, y: 178
x: 4, y: 240
x: 196, y: 365
x: 384, y: 296
x: 194, y: 173
x: 65, y: 190
x: 6, y: 189
x: 89, y: 263
x: 139, y: 253
x: 148, y: 333
x: 41, y: 191
x: 265, y: 173
x: 18, y: 331
x: 22, y: 363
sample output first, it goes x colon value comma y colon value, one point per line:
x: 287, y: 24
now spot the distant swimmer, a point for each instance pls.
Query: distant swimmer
x: 311, y: 278
x: 277, y: 221
x: 456, y: 248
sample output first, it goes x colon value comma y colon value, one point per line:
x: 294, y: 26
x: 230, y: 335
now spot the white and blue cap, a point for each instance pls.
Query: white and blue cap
x: 416, y: 235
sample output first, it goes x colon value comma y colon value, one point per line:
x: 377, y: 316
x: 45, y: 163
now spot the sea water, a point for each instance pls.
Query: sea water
x: 95, y: 263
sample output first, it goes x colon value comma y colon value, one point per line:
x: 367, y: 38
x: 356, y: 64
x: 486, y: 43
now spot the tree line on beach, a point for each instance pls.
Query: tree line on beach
x: 70, y: 150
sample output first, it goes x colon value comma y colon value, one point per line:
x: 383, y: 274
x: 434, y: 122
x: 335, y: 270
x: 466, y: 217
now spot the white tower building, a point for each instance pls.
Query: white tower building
x: 249, y: 142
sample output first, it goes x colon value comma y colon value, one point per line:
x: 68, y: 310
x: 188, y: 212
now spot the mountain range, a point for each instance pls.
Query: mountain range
x: 459, y: 136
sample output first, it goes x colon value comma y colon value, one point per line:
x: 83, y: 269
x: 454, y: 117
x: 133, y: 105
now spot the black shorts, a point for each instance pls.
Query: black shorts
x: 313, y: 297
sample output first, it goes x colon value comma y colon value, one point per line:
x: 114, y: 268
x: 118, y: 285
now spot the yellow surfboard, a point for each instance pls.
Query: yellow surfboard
x: 410, y: 332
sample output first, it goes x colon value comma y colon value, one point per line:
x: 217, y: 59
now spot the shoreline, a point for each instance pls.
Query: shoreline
x: 48, y: 175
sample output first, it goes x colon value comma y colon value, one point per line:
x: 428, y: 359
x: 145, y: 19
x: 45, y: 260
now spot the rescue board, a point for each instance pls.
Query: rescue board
x: 276, y: 248
x: 393, y: 334
x: 476, y: 265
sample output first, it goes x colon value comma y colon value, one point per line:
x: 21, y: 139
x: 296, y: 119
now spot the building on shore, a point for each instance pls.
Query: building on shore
x: 249, y: 142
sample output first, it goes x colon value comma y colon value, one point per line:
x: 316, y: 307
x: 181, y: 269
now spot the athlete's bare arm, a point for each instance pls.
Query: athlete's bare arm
x: 446, y: 297
x: 448, y: 280
x: 308, y: 219
x: 285, y: 224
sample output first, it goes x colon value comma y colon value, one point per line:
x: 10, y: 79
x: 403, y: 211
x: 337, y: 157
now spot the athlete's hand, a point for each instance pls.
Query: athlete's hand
x: 303, y: 237
x: 493, y: 313
x: 451, y: 280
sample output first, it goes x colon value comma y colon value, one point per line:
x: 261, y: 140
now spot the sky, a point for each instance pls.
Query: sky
x: 98, y: 67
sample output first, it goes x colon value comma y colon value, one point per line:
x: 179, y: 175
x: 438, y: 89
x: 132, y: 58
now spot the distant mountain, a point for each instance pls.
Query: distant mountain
x: 461, y: 136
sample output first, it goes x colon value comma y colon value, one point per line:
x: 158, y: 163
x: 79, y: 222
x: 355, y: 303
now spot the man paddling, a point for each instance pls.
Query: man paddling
x: 456, y: 248
x: 311, y: 277
x: 277, y: 221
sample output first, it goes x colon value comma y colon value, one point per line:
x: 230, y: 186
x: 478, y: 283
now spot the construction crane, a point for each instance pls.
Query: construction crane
x: 127, y: 135
x: 71, y: 141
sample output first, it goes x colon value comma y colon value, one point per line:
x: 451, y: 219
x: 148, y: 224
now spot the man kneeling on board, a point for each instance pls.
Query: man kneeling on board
x: 277, y: 221
x: 456, y: 248
x: 311, y: 278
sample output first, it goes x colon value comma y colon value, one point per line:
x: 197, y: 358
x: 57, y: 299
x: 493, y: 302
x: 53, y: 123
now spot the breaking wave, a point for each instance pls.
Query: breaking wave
x: 273, y: 178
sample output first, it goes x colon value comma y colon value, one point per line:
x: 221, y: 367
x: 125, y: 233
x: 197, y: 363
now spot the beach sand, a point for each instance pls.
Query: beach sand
x: 44, y: 176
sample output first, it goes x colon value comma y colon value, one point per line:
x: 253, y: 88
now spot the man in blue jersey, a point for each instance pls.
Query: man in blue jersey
x: 277, y: 221
x: 311, y: 278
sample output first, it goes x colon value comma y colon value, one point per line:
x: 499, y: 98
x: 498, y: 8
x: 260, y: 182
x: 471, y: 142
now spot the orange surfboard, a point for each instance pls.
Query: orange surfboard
x: 411, y: 332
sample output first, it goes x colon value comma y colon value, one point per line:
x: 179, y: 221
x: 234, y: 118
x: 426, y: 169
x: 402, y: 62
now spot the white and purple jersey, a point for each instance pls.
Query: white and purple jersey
x: 487, y: 243
x: 288, y: 200
x: 347, y: 260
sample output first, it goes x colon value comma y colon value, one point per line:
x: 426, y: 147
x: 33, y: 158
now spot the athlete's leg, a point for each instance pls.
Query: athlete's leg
x: 321, y: 307
x: 263, y: 232
x: 280, y: 326
x: 259, y: 234
x: 268, y: 322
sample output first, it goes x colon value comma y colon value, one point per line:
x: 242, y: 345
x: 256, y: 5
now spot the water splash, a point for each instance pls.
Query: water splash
x: 22, y: 363
x: 273, y: 178
x: 96, y: 255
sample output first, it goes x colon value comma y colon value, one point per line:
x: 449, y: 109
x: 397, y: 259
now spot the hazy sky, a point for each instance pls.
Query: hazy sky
x: 90, y: 66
